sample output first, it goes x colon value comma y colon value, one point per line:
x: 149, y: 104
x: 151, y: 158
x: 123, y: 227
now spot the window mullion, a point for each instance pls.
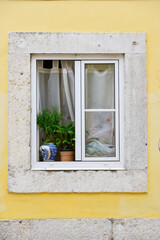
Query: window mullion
x: 99, y: 110
x: 83, y: 108
x: 78, y: 136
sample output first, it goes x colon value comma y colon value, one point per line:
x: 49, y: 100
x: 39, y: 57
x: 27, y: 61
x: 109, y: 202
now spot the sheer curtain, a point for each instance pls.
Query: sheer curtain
x: 56, y: 88
x: 68, y: 84
x: 99, y: 94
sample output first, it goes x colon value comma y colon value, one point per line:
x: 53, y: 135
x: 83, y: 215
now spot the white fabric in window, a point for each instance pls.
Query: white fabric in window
x: 100, y: 126
x: 99, y: 86
x: 56, y: 88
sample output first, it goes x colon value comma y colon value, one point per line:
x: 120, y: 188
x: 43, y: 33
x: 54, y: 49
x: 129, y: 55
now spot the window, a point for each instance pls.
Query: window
x: 100, y: 118
x: 128, y: 50
x: 86, y: 91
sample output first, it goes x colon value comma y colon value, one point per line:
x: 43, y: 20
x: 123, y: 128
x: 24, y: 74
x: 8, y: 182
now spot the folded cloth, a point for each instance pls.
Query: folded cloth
x: 98, y: 148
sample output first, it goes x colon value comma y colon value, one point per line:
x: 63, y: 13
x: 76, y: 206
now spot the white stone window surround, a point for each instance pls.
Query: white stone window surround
x: 21, y: 178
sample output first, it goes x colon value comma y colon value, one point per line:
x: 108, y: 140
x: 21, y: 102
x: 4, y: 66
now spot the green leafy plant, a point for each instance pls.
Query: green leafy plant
x: 65, y: 138
x: 49, y: 121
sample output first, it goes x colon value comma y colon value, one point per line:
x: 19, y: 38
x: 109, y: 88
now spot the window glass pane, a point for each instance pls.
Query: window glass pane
x: 55, y: 88
x: 99, y: 86
x: 100, y: 134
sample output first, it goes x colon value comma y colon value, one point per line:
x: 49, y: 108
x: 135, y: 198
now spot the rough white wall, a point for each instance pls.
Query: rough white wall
x: 136, y: 229
x: 80, y: 229
x: 56, y: 229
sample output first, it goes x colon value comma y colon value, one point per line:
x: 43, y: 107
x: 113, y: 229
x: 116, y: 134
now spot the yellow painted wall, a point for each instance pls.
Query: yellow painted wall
x: 84, y: 16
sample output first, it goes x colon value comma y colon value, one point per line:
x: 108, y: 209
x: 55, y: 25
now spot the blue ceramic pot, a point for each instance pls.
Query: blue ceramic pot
x: 48, y: 151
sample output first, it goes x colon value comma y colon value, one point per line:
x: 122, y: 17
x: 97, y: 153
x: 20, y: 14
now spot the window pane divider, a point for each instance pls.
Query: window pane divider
x: 100, y: 110
x: 78, y: 142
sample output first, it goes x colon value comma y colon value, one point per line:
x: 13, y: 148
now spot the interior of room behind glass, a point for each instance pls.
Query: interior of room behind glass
x: 57, y: 89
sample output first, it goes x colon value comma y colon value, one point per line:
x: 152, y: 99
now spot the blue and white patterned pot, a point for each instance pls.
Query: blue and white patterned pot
x: 48, y: 151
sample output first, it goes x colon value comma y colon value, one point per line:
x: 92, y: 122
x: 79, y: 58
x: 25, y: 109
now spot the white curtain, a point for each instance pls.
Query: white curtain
x: 100, y: 132
x: 56, y: 88
x: 68, y: 82
x: 100, y: 87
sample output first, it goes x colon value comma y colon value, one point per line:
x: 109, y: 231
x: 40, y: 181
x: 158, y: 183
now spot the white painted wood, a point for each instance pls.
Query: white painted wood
x: 77, y: 57
x: 78, y: 165
x: 108, y: 61
x: 121, y: 109
x: 83, y: 108
x: 78, y: 143
x: 99, y: 110
x: 117, y: 108
x: 37, y: 108
x: 101, y: 159
x: 34, y: 111
x: 116, y: 158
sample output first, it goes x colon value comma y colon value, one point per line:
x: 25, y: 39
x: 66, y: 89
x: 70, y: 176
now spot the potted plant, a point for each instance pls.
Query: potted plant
x: 65, y: 139
x: 48, y: 121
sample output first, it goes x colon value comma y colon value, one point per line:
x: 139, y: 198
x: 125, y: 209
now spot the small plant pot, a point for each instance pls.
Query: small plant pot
x: 67, y: 155
x: 48, y: 151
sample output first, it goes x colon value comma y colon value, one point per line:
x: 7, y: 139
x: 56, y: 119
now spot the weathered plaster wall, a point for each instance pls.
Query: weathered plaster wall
x: 86, y: 229
x: 85, y: 16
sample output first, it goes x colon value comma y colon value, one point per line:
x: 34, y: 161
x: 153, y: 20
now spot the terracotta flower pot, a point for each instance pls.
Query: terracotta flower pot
x: 67, y: 155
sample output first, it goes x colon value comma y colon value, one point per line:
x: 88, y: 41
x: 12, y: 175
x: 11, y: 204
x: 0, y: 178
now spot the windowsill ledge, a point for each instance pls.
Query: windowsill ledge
x: 75, y: 165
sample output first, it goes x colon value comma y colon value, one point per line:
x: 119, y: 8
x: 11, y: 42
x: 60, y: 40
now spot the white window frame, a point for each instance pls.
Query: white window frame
x: 81, y: 162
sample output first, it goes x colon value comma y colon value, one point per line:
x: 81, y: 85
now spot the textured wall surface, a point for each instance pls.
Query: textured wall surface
x: 78, y: 229
x: 134, y: 178
x: 56, y: 229
x: 136, y: 229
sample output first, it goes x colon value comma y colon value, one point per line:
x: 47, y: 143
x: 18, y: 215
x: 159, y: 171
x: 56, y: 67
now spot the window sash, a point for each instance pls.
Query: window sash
x: 116, y: 110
